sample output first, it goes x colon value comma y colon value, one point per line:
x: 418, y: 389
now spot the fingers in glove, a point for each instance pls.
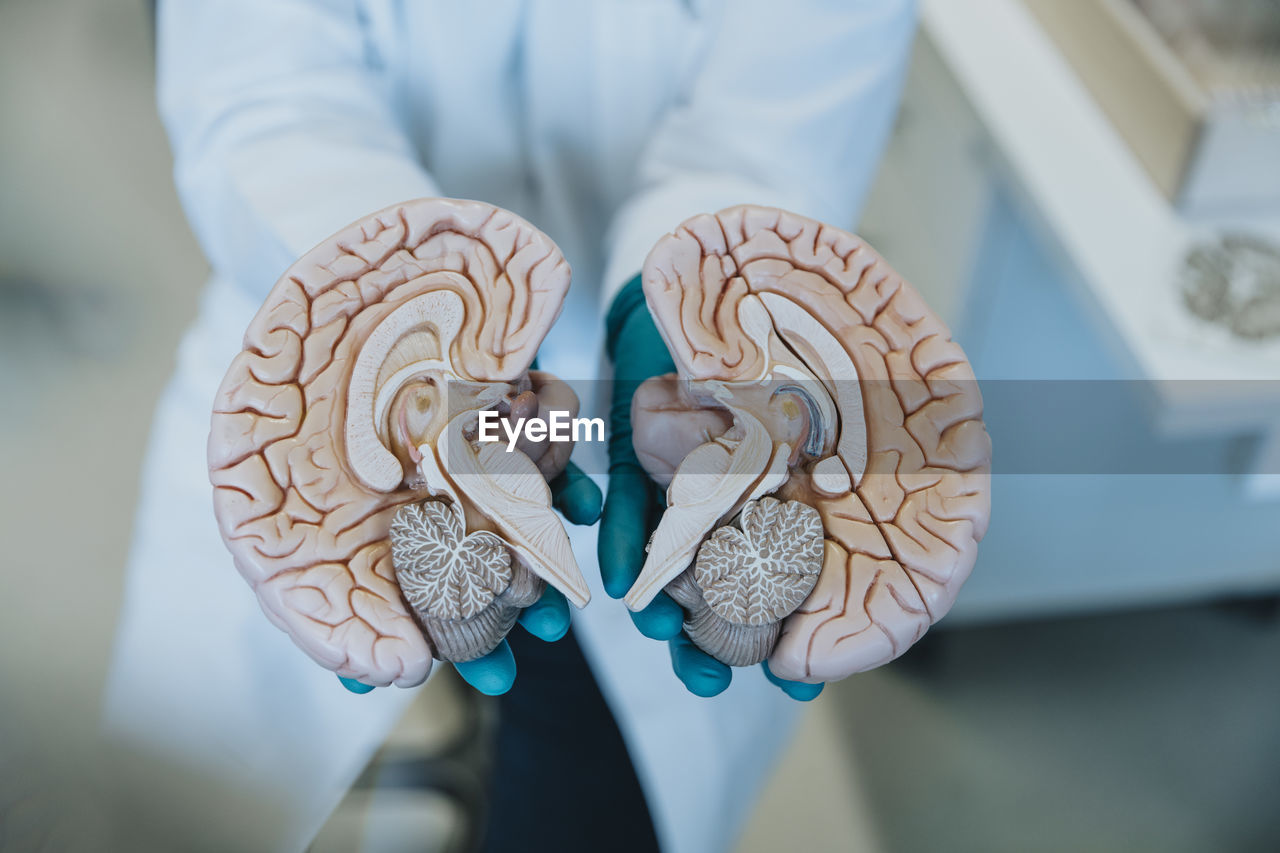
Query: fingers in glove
x: 702, y: 674
x: 576, y: 495
x: 492, y: 674
x: 799, y: 690
x: 354, y: 686
x: 625, y: 527
x: 663, y: 619
x: 547, y: 618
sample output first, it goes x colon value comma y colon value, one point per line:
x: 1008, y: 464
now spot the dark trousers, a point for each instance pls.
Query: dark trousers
x: 562, y: 780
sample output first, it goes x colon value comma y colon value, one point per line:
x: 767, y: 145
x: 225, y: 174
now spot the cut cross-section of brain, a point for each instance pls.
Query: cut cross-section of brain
x: 350, y: 484
x: 809, y: 372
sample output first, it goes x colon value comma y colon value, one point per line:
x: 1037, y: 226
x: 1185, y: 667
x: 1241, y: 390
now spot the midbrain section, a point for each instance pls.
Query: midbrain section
x: 305, y: 530
x: 898, y: 545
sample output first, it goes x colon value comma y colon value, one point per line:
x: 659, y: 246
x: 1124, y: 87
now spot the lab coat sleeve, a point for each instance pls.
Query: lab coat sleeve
x: 282, y: 127
x: 790, y: 105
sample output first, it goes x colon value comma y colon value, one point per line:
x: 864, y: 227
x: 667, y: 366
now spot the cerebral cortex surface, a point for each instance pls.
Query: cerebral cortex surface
x: 306, y: 522
x: 903, y: 488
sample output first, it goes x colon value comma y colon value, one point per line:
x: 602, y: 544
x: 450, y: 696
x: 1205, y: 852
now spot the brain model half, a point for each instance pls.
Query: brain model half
x: 348, y: 480
x: 826, y: 463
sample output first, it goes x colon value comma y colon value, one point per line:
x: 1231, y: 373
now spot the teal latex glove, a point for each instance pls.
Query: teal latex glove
x: 635, y: 503
x: 578, y: 497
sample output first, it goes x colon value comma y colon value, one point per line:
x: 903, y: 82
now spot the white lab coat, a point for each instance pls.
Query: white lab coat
x: 605, y: 124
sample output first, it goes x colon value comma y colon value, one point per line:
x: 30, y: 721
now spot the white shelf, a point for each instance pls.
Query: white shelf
x: 1117, y: 232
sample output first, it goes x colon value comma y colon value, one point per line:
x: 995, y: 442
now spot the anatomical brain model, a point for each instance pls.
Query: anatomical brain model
x: 348, y: 482
x: 823, y: 447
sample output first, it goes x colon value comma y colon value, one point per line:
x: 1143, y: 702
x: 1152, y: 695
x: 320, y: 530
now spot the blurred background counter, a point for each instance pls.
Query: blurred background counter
x: 1137, y: 446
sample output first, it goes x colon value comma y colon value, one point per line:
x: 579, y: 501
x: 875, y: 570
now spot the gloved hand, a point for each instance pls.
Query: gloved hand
x: 578, y: 497
x: 635, y: 503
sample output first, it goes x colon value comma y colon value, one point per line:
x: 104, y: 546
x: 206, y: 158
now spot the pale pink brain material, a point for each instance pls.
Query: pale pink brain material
x: 901, y: 536
x: 307, y: 532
